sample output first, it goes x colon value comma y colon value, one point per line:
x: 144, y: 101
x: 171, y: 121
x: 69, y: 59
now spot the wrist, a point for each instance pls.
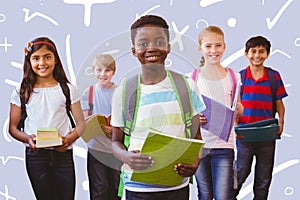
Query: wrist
x: 73, y: 135
x: 124, y: 156
x: 30, y: 139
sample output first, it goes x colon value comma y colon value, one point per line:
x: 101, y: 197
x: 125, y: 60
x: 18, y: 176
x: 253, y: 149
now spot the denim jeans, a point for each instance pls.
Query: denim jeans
x: 182, y: 194
x: 104, y: 175
x: 264, y: 154
x: 214, y: 174
x: 51, y: 173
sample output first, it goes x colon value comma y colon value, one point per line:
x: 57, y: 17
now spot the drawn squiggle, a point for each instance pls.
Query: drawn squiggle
x: 2, y: 17
x: 113, y: 51
x: 205, y: 3
x: 16, y: 65
x: 245, y: 191
x: 270, y: 24
x: 288, y: 191
x: 178, y: 35
x: 87, y: 7
x: 201, y: 20
x: 285, y: 134
x: 69, y: 60
x: 281, y: 52
x: 4, y: 130
x: 6, y: 195
x: 147, y: 11
x: 28, y: 17
x: 297, y: 42
x: 5, y: 160
x: 11, y: 82
x: 233, y: 57
x: 5, y: 44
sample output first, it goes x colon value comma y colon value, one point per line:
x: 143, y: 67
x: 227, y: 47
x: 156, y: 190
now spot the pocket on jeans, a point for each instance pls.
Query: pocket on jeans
x: 31, y: 152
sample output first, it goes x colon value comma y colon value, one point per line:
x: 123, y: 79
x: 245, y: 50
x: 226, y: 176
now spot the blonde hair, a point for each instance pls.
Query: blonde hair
x: 104, y: 60
x: 203, y: 33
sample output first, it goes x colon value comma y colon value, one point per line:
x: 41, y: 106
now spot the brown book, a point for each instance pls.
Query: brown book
x: 93, y: 126
x: 47, y: 137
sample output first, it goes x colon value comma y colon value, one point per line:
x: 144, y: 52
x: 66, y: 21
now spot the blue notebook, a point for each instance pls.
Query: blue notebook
x: 259, y: 131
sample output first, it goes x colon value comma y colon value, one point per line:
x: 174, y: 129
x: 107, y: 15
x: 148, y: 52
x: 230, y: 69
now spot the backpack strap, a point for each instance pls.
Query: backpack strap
x: 194, y: 74
x: 91, y: 105
x: 243, y: 75
x: 66, y: 91
x: 130, y: 103
x: 131, y: 98
x: 23, y: 115
x: 273, y: 86
x: 233, y: 81
x: 182, y: 91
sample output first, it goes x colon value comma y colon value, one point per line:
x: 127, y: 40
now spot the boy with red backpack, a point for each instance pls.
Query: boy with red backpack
x: 103, y: 167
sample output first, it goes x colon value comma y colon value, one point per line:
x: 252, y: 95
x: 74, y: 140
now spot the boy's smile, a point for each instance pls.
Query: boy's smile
x: 257, y: 55
x: 103, y: 76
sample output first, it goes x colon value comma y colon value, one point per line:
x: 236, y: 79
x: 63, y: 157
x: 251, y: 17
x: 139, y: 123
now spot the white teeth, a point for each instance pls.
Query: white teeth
x: 42, y: 69
x: 152, y: 57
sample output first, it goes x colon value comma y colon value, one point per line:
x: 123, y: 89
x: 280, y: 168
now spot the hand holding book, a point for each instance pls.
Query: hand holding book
x: 48, y: 137
x: 137, y: 161
x: 94, y: 124
x: 187, y: 170
x: 169, y: 153
x: 264, y: 130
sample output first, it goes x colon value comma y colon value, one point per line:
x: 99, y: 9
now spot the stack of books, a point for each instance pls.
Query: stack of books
x: 48, y: 137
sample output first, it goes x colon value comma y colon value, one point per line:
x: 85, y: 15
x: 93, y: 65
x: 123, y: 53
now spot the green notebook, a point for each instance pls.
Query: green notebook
x: 166, y: 151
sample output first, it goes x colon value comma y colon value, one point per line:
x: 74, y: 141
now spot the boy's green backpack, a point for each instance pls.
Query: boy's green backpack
x: 131, y: 98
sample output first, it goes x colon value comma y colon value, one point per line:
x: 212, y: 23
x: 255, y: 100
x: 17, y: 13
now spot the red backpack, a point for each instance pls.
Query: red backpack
x: 91, y: 91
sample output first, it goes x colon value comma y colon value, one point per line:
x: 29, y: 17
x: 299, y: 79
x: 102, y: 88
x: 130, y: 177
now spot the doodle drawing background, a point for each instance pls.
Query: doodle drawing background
x: 82, y: 29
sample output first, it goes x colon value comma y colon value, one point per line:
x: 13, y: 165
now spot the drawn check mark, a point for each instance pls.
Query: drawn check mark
x: 271, y: 23
x: 205, y: 3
